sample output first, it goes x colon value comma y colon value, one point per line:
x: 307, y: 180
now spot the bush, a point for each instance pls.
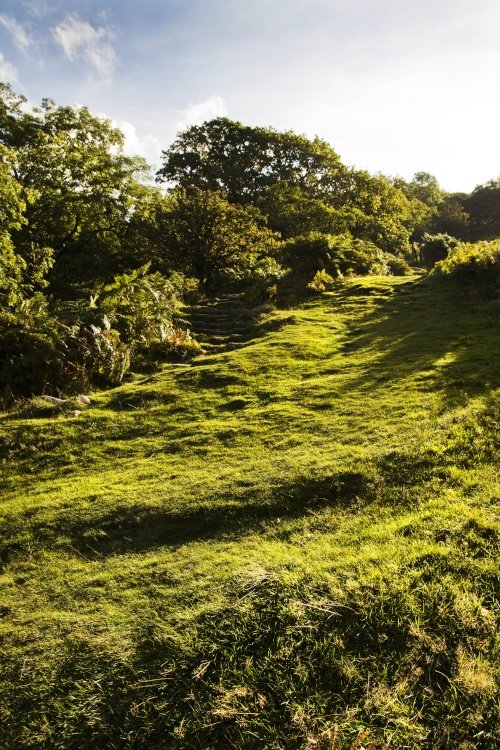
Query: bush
x: 396, y: 266
x: 477, y: 263
x: 40, y: 353
x: 337, y: 255
x: 322, y: 282
x: 70, y: 345
x: 434, y: 248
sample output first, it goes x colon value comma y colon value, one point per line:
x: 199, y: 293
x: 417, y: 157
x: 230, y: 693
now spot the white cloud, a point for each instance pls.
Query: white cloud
x: 81, y: 41
x: 195, y: 114
x: 7, y: 71
x: 18, y: 33
x: 39, y: 8
x: 147, y: 146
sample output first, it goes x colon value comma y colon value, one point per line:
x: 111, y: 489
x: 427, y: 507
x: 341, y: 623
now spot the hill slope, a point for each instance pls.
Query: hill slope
x: 290, y: 545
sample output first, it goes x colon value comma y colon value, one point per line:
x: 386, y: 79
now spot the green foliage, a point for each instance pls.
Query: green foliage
x: 483, y: 209
x: 241, y: 161
x: 13, y: 122
x: 477, y: 263
x: 299, y: 184
x: 187, y: 288
x: 12, y: 207
x: 396, y: 266
x: 213, y: 240
x: 138, y: 305
x: 140, y: 308
x: 68, y: 345
x: 144, y: 235
x: 451, y: 217
x: 292, y: 212
x: 45, y: 351
x: 378, y: 212
x: 12, y: 270
x: 423, y: 187
x: 434, y: 248
x: 338, y: 255
x: 322, y: 282
x: 78, y: 187
x: 470, y: 217
x: 29, y: 355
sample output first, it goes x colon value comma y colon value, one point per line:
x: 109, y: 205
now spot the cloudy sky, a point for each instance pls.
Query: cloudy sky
x: 395, y: 86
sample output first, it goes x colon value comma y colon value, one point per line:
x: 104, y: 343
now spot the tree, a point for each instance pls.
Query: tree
x: 299, y: 184
x: 483, y: 207
x: 292, y: 212
x: 376, y: 210
x: 144, y: 235
x: 78, y: 186
x: 12, y: 208
x: 435, y: 247
x: 424, y: 197
x: 423, y: 187
x: 15, y: 120
x: 451, y: 217
x: 212, y: 239
x: 241, y: 161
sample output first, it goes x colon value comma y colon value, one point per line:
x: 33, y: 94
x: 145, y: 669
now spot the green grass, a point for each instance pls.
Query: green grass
x: 291, y: 545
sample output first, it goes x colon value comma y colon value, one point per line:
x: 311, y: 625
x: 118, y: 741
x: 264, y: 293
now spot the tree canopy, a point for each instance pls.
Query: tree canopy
x: 243, y: 161
x: 209, y: 238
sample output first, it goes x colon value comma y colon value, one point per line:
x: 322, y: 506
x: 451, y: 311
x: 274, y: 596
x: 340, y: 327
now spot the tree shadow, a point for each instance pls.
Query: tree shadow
x: 138, y: 528
x: 444, y: 335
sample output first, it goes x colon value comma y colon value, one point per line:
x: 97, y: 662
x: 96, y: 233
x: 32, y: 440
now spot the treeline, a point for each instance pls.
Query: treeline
x: 95, y: 258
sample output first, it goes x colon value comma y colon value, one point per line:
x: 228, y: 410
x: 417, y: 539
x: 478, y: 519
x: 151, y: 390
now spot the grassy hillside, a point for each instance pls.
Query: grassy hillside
x: 290, y: 545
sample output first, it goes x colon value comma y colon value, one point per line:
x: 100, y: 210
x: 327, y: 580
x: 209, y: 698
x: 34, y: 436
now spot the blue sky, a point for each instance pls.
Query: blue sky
x: 394, y: 86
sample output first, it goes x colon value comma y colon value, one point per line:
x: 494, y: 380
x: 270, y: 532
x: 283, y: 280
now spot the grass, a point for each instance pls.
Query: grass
x: 290, y: 545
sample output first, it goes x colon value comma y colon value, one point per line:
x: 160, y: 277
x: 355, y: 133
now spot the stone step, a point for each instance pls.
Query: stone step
x: 208, y: 347
x: 219, y: 338
x: 211, y: 304
x: 235, y: 345
x: 221, y: 323
x: 231, y: 303
x: 215, y: 310
x: 197, y: 318
x: 220, y: 331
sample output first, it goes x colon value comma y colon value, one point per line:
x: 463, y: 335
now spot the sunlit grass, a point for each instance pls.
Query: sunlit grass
x: 281, y: 546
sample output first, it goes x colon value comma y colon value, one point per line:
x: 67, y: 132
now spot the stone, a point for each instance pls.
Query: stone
x: 83, y: 400
x: 54, y: 400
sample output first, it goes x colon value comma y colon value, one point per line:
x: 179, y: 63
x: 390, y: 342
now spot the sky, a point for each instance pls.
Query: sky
x: 395, y: 86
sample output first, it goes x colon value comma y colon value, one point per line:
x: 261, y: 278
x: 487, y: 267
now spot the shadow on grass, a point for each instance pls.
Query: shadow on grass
x: 137, y: 528
x: 433, y: 329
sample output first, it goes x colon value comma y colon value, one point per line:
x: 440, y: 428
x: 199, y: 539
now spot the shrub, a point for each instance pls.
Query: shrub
x: 338, y: 255
x: 434, y: 248
x: 65, y: 347
x: 322, y: 282
x: 396, y: 266
x: 186, y: 288
x: 41, y: 353
x: 477, y: 263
